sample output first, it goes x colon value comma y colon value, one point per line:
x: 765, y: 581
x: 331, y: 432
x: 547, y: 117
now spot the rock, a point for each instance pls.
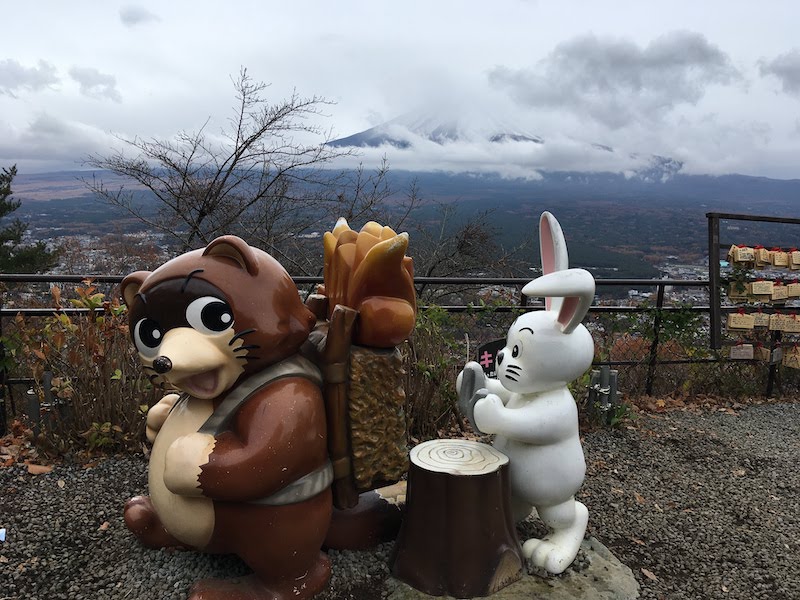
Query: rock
x: 603, y: 578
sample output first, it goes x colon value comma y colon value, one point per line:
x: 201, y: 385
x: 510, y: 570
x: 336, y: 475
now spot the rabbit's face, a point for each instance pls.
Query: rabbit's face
x: 539, y: 357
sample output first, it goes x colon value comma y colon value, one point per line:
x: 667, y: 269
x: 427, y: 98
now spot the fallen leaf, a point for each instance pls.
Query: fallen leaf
x: 649, y: 574
x: 3, y: 559
x: 638, y: 541
x: 724, y: 588
x: 61, y: 483
x: 104, y: 526
x: 39, y: 469
x: 12, y: 449
x: 639, y: 498
x: 739, y: 472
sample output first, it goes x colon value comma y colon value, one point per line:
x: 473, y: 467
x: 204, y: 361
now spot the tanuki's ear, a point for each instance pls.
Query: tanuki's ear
x: 131, y: 284
x: 230, y: 246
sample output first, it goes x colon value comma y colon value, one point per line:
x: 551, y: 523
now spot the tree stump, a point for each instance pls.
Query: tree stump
x: 458, y: 536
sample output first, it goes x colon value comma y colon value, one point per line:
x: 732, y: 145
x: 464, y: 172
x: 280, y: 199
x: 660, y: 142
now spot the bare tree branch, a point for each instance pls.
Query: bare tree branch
x: 205, y: 185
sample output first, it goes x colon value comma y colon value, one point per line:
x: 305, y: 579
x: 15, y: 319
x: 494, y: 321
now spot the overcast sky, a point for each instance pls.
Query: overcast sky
x: 715, y: 84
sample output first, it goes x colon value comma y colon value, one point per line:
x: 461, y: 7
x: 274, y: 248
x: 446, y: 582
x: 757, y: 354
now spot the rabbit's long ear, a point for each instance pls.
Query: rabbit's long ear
x: 574, y: 288
x: 553, y: 249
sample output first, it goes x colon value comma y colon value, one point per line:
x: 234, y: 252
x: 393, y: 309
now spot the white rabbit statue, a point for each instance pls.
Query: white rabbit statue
x: 530, y: 409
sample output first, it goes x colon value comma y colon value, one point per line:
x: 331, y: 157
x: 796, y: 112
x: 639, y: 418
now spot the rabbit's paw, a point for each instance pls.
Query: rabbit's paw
x: 470, y: 385
x: 470, y: 380
x: 556, y: 552
x: 488, y: 413
x: 529, y: 547
x: 551, y: 557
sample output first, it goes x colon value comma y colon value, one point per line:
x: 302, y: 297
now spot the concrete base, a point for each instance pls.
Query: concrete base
x: 601, y: 577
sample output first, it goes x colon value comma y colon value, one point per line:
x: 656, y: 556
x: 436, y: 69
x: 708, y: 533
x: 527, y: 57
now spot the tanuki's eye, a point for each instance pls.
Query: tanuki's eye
x: 147, y: 336
x: 516, y: 350
x: 209, y: 315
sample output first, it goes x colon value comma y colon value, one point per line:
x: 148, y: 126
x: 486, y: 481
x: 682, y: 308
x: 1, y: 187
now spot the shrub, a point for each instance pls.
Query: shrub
x: 431, y: 365
x: 99, y: 393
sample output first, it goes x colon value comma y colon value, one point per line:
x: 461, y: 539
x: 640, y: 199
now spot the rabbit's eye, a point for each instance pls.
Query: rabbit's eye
x: 515, y: 351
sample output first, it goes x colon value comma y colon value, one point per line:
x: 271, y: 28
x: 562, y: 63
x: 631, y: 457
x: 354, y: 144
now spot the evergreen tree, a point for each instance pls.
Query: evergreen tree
x: 16, y: 257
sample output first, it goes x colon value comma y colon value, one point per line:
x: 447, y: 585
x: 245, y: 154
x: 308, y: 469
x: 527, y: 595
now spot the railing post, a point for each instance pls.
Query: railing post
x: 3, y: 375
x: 651, y: 366
x: 773, y: 363
x: 714, y: 312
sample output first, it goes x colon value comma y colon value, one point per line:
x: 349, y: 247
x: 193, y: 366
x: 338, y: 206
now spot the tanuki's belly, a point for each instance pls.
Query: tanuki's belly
x: 189, y: 519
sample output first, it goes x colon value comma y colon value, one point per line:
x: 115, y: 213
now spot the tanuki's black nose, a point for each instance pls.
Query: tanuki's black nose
x: 162, y: 365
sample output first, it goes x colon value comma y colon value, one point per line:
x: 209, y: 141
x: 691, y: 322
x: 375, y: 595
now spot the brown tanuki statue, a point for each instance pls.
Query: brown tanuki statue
x: 239, y: 461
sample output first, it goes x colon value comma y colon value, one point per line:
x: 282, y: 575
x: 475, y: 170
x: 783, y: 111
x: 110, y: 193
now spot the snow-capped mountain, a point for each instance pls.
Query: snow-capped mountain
x: 441, y: 129
x: 453, y: 142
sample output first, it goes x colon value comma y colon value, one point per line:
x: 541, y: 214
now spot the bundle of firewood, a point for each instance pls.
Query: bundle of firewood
x: 369, y: 271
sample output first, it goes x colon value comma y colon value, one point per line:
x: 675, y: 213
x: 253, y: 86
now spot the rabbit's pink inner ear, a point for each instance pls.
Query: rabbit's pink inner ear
x: 568, y: 309
x: 547, y: 250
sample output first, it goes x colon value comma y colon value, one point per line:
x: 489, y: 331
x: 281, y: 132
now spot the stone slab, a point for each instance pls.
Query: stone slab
x: 604, y: 578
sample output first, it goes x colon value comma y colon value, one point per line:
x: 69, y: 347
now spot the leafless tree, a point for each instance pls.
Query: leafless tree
x: 255, y: 176
x: 454, y: 245
x: 258, y: 180
x: 357, y: 195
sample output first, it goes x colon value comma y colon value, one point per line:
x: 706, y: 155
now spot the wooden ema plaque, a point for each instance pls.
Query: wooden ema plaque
x: 458, y: 536
x: 741, y: 254
x: 742, y: 352
x: 791, y: 324
x: 741, y: 321
x: 780, y: 258
x: 761, y: 319
x: 791, y: 358
x: 780, y: 292
x: 761, y: 288
x: 762, y: 257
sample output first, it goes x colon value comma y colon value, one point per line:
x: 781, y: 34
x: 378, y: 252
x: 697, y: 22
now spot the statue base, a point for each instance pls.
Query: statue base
x: 604, y: 578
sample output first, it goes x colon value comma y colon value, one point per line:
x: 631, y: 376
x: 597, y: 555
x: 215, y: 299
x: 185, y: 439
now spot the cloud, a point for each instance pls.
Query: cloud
x: 616, y: 82
x: 131, y: 15
x: 477, y: 154
x: 95, y: 84
x: 786, y: 68
x: 14, y: 77
x: 50, y: 143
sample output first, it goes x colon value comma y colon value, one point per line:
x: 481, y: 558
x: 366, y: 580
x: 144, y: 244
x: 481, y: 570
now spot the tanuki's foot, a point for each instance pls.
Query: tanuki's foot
x: 142, y: 520
x: 251, y: 587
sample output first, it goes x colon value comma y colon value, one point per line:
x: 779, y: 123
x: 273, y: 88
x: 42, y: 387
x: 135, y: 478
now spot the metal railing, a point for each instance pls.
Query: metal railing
x: 652, y: 359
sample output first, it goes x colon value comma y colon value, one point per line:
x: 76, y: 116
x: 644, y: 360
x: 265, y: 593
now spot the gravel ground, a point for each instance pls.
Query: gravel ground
x: 697, y: 505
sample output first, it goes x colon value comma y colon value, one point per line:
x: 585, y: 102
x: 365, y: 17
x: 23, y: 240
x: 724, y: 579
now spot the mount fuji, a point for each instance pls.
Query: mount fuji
x: 447, y: 138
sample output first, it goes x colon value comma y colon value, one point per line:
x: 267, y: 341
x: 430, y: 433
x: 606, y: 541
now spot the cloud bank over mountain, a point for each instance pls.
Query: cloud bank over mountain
x: 484, y: 143
x: 714, y: 86
x: 606, y: 103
